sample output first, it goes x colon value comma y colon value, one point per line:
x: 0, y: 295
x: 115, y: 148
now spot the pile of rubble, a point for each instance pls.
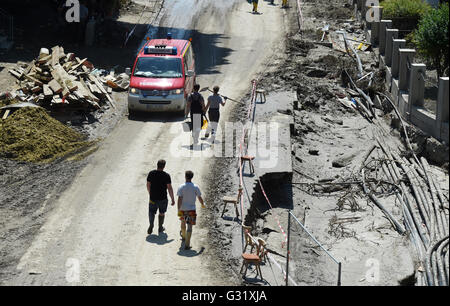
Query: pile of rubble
x: 56, y: 79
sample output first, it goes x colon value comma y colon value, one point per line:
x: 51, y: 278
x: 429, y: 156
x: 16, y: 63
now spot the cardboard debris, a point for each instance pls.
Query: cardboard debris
x: 57, y: 79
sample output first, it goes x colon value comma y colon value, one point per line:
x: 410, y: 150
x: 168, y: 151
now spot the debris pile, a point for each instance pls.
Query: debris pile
x: 425, y: 210
x: 30, y: 134
x: 57, y: 79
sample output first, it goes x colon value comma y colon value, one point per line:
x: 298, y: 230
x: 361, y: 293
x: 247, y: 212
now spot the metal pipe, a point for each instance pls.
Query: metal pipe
x: 315, y: 240
x: 288, y: 248
x: 429, y: 262
x: 358, y: 59
x: 339, y: 274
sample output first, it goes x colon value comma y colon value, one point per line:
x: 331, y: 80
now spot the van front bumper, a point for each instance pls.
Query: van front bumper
x: 170, y: 103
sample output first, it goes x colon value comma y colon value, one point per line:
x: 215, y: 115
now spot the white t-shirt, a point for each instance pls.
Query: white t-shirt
x: 189, y: 192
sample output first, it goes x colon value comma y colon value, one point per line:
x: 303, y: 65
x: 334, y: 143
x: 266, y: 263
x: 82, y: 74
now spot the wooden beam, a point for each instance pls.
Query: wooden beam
x: 6, y: 114
x: 55, y: 56
x: 55, y: 86
x: 80, y: 62
x: 32, y: 79
x: 15, y: 73
x: 48, y: 91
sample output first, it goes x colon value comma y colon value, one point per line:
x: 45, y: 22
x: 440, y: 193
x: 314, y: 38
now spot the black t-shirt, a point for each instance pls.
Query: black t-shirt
x: 196, y: 102
x: 158, y: 187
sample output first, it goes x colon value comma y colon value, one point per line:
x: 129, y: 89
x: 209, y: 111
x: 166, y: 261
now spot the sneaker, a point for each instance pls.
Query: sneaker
x: 150, y: 230
x: 161, y: 229
x: 207, y: 135
x: 187, y: 247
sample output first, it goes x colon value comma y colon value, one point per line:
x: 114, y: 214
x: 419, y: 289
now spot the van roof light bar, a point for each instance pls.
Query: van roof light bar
x: 160, y: 49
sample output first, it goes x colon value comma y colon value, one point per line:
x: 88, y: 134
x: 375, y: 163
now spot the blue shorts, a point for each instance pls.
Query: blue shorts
x: 160, y: 205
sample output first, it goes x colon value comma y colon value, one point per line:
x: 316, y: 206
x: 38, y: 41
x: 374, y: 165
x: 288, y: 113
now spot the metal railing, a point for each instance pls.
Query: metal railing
x: 7, y: 25
x: 338, y: 263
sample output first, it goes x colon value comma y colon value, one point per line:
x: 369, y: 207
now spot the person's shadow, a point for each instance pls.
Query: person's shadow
x: 160, y: 239
x: 189, y: 253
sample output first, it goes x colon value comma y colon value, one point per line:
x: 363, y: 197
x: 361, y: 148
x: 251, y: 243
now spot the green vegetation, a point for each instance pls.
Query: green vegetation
x: 431, y: 38
x: 404, y: 8
x: 31, y: 135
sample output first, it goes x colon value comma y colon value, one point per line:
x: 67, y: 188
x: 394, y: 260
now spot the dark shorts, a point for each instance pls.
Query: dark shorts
x: 160, y: 205
x: 214, y: 115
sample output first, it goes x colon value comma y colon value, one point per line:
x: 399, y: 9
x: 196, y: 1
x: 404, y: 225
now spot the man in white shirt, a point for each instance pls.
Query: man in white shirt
x: 187, y: 196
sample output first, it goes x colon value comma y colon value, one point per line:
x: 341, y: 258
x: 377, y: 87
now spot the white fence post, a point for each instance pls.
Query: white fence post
x: 397, y: 44
x: 384, y: 25
x: 391, y: 34
x: 442, y: 108
x: 406, y: 57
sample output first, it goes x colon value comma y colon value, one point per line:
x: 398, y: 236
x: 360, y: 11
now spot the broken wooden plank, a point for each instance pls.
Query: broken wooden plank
x: 47, y: 91
x: 15, y: 73
x: 57, y: 100
x: 55, y: 56
x: 97, y: 82
x: 32, y: 79
x: 6, y: 114
x: 36, y: 89
x: 87, y: 93
x: 55, y: 86
x: 30, y: 66
x: 64, y: 79
x: 80, y: 62
x: 110, y: 100
x: 67, y: 66
x: 70, y: 57
x: 45, y: 59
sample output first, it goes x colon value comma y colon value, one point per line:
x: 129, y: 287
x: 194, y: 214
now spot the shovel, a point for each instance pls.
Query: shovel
x: 207, y: 89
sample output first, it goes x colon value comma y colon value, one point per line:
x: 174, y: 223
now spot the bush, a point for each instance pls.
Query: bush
x: 431, y: 38
x: 404, y: 8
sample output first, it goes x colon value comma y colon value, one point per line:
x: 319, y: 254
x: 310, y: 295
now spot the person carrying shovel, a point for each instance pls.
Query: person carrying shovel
x: 213, y: 109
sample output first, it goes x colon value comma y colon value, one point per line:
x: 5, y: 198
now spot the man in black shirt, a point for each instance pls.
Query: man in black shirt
x: 196, y: 106
x: 158, y: 183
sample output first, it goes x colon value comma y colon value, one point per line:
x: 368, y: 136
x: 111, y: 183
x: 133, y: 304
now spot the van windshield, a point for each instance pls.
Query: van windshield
x: 158, y: 67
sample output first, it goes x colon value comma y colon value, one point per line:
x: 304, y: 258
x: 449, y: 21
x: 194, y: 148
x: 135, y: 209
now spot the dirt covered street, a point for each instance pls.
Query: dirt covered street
x: 100, y: 219
x: 74, y: 204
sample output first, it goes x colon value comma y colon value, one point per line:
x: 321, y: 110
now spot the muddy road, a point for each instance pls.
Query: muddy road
x: 96, y: 235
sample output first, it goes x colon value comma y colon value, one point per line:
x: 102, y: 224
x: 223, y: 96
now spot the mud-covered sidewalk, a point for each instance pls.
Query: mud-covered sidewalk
x: 331, y: 143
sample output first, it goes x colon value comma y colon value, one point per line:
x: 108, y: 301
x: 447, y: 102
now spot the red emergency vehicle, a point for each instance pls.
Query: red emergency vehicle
x: 163, y: 76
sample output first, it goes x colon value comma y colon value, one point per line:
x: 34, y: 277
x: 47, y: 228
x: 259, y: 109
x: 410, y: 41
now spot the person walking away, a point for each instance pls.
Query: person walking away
x: 255, y: 6
x: 213, y: 109
x: 196, y: 106
x: 188, y: 193
x: 158, y: 183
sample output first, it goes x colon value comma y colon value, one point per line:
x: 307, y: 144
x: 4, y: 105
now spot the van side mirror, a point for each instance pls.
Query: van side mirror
x: 128, y: 71
x: 190, y: 73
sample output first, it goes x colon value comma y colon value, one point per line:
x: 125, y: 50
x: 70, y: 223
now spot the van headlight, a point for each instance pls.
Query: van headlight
x: 134, y: 91
x: 178, y: 91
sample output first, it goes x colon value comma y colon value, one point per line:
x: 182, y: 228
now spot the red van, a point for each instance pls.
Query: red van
x: 163, y: 76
